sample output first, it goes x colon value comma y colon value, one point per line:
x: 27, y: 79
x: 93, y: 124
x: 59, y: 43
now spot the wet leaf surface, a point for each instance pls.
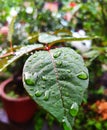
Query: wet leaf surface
x: 60, y: 78
x: 18, y: 52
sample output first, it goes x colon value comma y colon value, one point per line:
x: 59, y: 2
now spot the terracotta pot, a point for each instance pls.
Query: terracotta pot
x: 19, y: 110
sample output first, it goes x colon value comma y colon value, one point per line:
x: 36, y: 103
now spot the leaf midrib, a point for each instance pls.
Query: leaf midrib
x: 56, y: 73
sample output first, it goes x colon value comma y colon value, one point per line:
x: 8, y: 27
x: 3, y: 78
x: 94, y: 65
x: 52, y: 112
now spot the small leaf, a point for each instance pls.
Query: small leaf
x: 52, y: 39
x: 6, y: 61
x: 47, y: 38
x: 56, y: 78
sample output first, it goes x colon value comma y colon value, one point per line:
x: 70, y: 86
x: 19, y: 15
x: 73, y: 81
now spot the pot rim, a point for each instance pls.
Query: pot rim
x: 4, y: 95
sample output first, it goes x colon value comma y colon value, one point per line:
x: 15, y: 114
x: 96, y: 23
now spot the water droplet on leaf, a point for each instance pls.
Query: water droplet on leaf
x: 59, y: 63
x: 53, y: 92
x: 44, y: 78
x: 31, y: 53
x: 74, y: 109
x: 82, y: 75
x: 38, y: 93
x: 66, y: 124
x: 29, y: 80
x: 57, y: 54
x: 46, y: 97
x: 31, y: 89
x: 35, y: 75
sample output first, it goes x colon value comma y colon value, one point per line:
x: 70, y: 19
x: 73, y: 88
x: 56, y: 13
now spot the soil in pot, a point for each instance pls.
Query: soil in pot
x: 14, y: 90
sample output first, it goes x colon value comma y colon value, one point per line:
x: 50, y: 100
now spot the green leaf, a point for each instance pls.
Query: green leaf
x: 59, y: 79
x: 47, y: 38
x: 6, y: 61
x: 52, y: 39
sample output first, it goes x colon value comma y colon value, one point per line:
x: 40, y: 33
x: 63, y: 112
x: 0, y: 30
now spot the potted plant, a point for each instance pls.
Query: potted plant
x: 19, y: 107
x: 54, y: 76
